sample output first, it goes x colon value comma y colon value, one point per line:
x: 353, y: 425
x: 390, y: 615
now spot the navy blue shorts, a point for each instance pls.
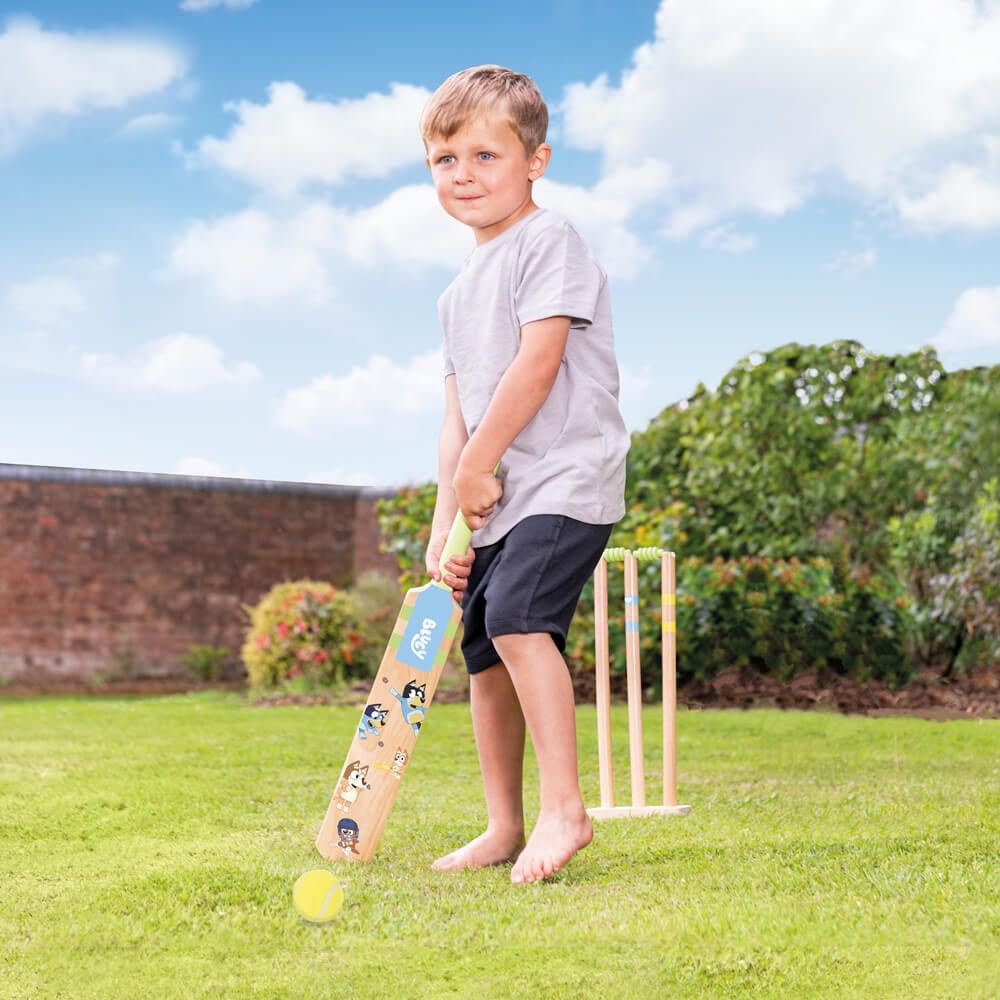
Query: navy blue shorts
x: 529, y: 581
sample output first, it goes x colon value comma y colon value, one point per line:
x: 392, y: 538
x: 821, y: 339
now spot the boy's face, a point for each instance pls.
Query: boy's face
x: 483, y: 176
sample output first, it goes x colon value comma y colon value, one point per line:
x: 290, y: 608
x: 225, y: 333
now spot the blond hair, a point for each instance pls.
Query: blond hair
x: 480, y: 90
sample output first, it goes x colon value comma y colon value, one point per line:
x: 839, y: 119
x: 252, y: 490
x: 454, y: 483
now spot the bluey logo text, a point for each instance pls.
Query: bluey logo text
x: 422, y: 639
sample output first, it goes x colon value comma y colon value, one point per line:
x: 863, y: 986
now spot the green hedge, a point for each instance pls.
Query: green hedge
x: 846, y: 464
x: 779, y: 617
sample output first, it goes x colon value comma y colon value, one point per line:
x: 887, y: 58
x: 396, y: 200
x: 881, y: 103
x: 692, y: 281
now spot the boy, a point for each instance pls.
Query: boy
x: 530, y: 379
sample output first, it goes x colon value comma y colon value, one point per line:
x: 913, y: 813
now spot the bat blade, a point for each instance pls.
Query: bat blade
x: 390, y: 723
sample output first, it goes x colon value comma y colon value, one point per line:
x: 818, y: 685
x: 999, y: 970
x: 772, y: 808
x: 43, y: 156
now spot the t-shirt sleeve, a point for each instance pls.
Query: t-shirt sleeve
x: 557, y: 276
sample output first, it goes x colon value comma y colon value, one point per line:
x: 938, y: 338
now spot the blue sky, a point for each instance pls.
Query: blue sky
x: 220, y: 252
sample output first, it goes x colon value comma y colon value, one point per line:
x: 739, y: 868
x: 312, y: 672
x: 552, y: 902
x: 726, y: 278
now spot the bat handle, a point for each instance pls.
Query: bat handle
x: 457, y: 543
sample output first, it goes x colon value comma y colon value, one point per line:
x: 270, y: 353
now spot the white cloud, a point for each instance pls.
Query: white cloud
x: 340, y: 476
x: 295, y: 255
x: 371, y: 394
x: 154, y: 122
x: 97, y: 265
x: 964, y: 196
x: 756, y: 106
x: 407, y: 228
x: 635, y: 395
x: 51, y: 299
x: 850, y: 265
x: 292, y: 141
x: 37, y: 352
x: 194, y: 465
x: 727, y: 239
x: 974, y: 322
x: 180, y: 364
x: 292, y: 257
x: 46, y: 301
x: 635, y: 382
x: 196, y: 6
x: 197, y: 465
x: 255, y: 257
x: 602, y: 213
x: 49, y: 73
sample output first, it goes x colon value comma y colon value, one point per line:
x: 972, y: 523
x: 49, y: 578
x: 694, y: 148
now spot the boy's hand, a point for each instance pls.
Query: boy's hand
x: 458, y: 567
x: 477, y: 493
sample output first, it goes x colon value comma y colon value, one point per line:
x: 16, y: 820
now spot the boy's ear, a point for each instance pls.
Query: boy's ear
x: 539, y: 161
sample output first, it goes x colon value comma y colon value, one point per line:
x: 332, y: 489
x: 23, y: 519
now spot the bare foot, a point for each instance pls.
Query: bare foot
x: 555, y: 839
x: 489, y: 848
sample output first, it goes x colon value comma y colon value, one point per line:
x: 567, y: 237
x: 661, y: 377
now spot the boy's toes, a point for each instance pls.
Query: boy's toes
x: 524, y: 868
x: 446, y: 864
x: 551, y: 844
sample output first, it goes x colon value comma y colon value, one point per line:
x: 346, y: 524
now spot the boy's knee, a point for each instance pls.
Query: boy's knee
x: 516, y: 645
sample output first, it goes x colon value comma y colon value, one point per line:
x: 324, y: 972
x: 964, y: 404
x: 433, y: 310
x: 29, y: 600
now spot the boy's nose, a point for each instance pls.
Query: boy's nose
x: 462, y: 171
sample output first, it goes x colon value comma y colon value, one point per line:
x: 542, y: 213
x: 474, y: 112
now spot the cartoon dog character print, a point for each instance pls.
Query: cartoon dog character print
x: 372, y: 720
x: 399, y: 759
x: 347, y: 831
x: 352, y: 782
x: 412, y: 703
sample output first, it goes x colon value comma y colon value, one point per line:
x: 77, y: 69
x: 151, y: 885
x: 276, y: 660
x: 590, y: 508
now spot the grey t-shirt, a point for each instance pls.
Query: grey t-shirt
x: 570, y: 458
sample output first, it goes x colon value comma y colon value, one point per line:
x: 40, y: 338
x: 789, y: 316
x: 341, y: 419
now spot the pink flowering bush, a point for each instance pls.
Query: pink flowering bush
x: 304, y: 629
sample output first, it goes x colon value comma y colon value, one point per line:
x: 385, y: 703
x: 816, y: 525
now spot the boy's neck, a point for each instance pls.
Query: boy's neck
x: 523, y: 212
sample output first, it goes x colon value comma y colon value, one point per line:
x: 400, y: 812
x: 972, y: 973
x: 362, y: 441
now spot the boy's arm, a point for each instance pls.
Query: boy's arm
x: 454, y: 436
x: 518, y: 397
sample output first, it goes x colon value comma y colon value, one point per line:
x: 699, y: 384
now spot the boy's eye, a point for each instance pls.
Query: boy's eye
x: 490, y: 155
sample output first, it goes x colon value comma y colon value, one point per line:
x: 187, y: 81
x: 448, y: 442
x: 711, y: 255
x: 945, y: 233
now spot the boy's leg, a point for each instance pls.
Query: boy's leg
x: 530, y: 601
x: 545, y: 692
x: 499, y: 727
x: 518, y: 604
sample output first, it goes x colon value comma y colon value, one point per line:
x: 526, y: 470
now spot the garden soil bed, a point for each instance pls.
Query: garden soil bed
x: 975, y: 694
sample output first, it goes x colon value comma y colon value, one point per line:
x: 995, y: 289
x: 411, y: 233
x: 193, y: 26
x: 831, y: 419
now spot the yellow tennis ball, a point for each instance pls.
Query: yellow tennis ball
x: 317, y: 896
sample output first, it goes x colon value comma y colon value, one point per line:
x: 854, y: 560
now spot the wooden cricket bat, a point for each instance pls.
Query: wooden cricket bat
x: 393, y: 715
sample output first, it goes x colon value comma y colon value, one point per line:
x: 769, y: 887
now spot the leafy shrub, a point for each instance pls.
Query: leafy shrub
x: 124, y: 665
x: 304, y: 629
x: 812, y: 452
x: 405, y: 520
x: 920, y: 553
x: 809, y: 450
x: 378, y: 599
x: 206, y: 662
x: 970, y: 591
x: 776, y: 616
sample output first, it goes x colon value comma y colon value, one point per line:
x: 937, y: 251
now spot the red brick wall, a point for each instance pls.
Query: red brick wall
x: 94, y: 563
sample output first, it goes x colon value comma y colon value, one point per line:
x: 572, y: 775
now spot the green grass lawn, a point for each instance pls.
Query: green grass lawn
x: 148, y: 848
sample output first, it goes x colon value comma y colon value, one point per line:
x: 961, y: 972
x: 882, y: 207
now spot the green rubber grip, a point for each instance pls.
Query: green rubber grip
x: 457, y: 543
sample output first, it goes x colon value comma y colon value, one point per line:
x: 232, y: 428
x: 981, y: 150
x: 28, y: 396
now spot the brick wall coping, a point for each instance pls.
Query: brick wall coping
x: 108, y: 477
